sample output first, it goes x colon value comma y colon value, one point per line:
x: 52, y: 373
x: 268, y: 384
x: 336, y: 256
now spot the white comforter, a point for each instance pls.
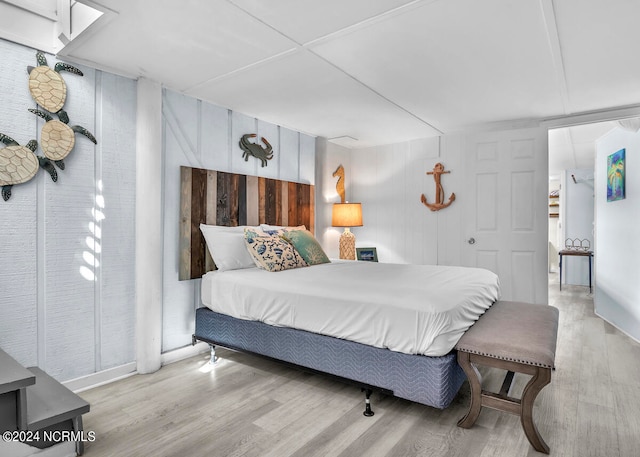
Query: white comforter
x: 415, y: 309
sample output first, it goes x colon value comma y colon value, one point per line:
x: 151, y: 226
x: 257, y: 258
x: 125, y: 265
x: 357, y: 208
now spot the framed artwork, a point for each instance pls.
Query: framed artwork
x: 367, y: 254
x: 615, y: 176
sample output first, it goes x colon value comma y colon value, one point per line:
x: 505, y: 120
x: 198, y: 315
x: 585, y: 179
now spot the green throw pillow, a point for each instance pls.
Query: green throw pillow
x: 307, y: 246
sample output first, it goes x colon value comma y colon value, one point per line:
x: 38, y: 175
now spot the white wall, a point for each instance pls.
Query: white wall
x: 388, y: 181
x: 70, y: 317
x: 617, y: 259
x: 50, y: 314
x: 202, y: 135
x: 328, y: 157
x: 578, y: 218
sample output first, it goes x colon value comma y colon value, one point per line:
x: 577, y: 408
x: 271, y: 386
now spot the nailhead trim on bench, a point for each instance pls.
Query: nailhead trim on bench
x: 515, y: 332
x: 526, y: 362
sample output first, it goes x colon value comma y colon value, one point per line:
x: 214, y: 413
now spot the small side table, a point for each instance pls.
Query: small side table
x: 588, y: 254
x: 14, y: 380
x: 31, y: 400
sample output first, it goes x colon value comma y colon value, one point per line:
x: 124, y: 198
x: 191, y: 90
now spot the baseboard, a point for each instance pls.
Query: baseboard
x: 114, y: 374
x: 184, y: 353
x: 614, y: 325
x: 100, y: 378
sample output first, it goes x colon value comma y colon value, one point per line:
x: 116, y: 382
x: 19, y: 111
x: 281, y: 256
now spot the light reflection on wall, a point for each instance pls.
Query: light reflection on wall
x: 92, y: 255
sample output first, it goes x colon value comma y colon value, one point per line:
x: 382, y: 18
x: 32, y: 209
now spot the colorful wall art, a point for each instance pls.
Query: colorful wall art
x: 615, y: 176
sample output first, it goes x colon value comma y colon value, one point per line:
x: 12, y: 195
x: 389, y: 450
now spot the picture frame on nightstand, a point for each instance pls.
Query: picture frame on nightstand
x: 367, y: 254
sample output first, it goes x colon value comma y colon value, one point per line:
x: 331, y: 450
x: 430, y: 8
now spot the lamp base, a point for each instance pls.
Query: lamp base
x: 347, y: 245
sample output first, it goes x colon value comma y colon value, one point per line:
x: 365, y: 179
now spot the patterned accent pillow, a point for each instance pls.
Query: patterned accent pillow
x: 279, y: 230
x: 307, y: 246
x: 272, y: 253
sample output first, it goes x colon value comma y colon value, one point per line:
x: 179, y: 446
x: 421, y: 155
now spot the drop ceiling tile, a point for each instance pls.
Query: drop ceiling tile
x: 445, y: 63
x: 456, y: 62
x: 599, y: 47
x: 306, y: 20
x: 304, y: 92
x: 179, y: 43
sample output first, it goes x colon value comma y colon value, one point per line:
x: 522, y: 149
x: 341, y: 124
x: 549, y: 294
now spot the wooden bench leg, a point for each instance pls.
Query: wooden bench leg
x: 522, y: 407
x: 531, y: 391
x: 475, y: 382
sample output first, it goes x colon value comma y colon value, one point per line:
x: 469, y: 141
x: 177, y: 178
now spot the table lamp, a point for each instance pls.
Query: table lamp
x: 347, y: 215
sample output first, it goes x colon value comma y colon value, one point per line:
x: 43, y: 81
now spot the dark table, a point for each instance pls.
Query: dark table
x: 588, y: 254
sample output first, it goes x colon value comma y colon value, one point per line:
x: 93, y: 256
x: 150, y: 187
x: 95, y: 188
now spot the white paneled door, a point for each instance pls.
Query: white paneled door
x: 505, y: 219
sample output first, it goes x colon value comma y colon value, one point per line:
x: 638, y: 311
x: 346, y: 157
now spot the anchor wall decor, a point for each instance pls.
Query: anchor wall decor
x: 438, y: 170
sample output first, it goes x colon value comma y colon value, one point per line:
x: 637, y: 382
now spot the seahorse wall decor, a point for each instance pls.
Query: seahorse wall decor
x: 438, y: 170
x: 340, y: 184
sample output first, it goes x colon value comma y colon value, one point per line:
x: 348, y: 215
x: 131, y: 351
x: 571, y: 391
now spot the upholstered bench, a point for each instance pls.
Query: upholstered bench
x: 517, y: 337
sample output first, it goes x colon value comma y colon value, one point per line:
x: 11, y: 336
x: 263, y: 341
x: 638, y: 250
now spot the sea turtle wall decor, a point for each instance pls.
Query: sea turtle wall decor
x: 255, y: 150
x: 46, y: 85
x: 19, y: 164
x: 57, y: 139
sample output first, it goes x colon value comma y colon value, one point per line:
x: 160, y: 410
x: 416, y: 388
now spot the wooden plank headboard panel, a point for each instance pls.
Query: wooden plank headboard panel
x: 229, y: 199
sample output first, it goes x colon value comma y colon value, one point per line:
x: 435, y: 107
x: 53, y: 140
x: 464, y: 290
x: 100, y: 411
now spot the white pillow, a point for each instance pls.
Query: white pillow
x: 227, y: 247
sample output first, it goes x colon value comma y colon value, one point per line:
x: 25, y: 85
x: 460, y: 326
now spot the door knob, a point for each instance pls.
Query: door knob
x: 471, y: 241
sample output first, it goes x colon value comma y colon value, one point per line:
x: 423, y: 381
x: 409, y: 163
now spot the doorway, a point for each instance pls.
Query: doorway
x: 572, y: 152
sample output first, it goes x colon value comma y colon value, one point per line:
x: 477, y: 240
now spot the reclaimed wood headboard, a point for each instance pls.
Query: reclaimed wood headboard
x: 219, y: 198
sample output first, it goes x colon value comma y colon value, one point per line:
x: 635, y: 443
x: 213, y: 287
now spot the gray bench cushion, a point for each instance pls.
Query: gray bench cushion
x: 518, y: 332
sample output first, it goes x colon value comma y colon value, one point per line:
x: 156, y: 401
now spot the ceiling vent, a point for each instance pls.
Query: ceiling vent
x: 345, y: 141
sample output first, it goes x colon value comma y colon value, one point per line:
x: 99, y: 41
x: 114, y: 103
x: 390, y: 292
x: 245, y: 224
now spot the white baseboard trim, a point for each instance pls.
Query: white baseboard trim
x: 614, y: 325
x: 184, y: 353
x: 100, y: 378
x: 124, y: 371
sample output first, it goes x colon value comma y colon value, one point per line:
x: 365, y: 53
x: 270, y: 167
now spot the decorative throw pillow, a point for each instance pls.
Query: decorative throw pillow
x: 227, y: 248
x: 307, y: 246
x: 272, y: 253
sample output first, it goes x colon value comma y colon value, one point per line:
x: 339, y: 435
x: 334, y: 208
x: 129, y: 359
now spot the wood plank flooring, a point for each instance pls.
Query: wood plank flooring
x: 247, y: 406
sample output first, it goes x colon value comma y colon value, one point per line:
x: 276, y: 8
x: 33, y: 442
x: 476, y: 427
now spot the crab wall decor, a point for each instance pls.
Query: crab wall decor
x: 57, y: 139
x: 46, y: 85
x: 437, y: 171
x: 255, y: 150
x: 19, y: 164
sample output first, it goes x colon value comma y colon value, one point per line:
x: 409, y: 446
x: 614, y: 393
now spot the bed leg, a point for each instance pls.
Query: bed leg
x: 213, y: 359
x: 367, y: 402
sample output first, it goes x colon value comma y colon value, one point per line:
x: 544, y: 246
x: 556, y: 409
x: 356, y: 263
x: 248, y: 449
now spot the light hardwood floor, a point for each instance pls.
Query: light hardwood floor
x: 249, y: 406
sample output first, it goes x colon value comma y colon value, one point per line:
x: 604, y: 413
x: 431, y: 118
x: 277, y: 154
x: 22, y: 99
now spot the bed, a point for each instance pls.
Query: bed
x: 332, y: 317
